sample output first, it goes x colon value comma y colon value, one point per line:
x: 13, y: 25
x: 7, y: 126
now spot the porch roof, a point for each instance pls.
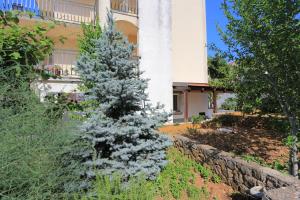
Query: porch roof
x: 202, y: 87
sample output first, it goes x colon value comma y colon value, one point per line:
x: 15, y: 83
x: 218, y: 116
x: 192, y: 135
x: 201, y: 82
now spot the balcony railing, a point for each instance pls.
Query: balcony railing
x: 125, y: 6
x: 60, y: 10
x: 61, y: 63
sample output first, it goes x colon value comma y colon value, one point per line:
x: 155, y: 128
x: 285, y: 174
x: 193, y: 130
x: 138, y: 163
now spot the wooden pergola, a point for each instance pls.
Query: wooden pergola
x: 185, y: 88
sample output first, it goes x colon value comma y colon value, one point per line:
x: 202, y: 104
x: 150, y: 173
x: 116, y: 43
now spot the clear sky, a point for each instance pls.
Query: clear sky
x: 214, y: 15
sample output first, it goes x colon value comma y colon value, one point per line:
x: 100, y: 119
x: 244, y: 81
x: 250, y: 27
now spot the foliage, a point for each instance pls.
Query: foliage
x: 263, y: 39
x: 274, y: 165
x: 34, y: 160
x: 91, y: 33
x: 21, y: 48
x: 122, y: 130
x: 112, y: 187
x: 179, y: 176
x: 221, y: 73
x: 176, y: 178
x: 228, y: 120
x: 197, y: 119
x: 87, y: 46
x: 196, y: 123
x: 35, y: 145
x: 230, y: 104
x: 59, y: 104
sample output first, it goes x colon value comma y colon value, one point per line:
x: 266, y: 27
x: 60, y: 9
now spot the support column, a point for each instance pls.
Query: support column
x: 215, y: 104
x: 186, y: 105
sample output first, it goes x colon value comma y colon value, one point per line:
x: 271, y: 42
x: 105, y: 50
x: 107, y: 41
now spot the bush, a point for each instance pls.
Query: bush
x: 33, y: 150
x: 228, y: 120
x: 179, y: 176
x: 112, y: 187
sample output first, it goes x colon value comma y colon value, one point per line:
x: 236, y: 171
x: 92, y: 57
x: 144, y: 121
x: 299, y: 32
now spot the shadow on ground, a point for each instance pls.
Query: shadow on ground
x: 260, y: 143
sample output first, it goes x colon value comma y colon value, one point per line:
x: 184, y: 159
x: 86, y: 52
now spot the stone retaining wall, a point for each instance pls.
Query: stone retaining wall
x: 239, y: 174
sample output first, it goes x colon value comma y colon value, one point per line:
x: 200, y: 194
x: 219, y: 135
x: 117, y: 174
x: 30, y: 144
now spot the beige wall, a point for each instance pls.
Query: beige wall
x: 189, y: 53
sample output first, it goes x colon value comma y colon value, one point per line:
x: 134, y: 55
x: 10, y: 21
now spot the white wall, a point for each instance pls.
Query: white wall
x: 103, y: 7
x: 44, y: 88
x: 198, y: 102
x: 189, y: 51
x: 155, y: 50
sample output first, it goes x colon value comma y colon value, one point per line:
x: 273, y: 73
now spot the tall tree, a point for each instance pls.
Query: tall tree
x: 122, y: 130
x: 221, y: 73
x: 263, y: 37
x: 91, y: 32
x: 21, y: 50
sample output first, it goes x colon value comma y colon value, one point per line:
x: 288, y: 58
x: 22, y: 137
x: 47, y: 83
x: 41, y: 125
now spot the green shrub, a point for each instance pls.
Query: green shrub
x: 274, y: 165
x: 179, y: 176
x: 197, y: 119
x: 228, y: 120
x: 176, y: 178
x: 109, y: 188
x: 33, y: 150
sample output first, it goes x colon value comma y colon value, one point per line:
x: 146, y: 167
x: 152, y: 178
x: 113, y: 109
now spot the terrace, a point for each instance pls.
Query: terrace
x: 125, y: 6
x: 60, y: 10
x: 61, y: 63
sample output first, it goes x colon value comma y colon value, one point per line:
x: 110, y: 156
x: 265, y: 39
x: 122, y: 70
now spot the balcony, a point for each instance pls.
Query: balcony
x: 59, y: 10
x: 125, y: 6
x: 61, y: 64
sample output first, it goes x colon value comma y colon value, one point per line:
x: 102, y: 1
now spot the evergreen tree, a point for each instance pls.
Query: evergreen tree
x: 122, y: 130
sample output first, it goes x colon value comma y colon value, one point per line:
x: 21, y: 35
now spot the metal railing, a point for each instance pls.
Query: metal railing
x: 125, y: 6
x: 61, y: 63
x: 60, y: 10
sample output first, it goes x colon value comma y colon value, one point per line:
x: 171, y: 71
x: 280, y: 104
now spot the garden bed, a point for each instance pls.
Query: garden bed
x: 253, y: 143
x: 185, y: 179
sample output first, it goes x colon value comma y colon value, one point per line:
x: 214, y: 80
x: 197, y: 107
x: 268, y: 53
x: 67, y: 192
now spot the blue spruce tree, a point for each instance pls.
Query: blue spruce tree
x: 122, y: 130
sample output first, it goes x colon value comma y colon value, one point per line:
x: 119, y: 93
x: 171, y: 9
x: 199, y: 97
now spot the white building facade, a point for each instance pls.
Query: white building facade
x: 170, y: 36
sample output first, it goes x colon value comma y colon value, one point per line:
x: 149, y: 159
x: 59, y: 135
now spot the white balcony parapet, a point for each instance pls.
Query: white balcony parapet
x: 60, y: 10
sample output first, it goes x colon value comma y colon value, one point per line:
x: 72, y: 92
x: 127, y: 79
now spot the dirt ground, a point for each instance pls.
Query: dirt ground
x: 256, y: 142
x: 218, y: 191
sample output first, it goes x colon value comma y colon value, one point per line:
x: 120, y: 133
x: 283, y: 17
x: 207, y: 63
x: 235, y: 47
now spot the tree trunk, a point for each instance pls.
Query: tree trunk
x: 294, y: 165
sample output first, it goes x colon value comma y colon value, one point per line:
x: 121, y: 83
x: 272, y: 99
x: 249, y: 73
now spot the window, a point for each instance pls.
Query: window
x: 175, y: 103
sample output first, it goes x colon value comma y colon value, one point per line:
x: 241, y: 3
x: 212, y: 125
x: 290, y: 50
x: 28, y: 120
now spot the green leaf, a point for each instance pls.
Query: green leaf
x: 15, y: 55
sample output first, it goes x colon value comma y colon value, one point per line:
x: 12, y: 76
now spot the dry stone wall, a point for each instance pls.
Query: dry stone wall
x: 239, y: 174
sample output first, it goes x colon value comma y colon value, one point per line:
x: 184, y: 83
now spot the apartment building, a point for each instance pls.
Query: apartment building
x: 170, y: 36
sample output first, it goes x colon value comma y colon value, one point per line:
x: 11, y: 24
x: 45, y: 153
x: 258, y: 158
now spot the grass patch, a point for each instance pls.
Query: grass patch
x: 283, y: 168
x: 33, y: 148
x: 177, y: 179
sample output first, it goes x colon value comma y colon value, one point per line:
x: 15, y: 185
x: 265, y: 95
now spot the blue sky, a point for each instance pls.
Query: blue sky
x: 214, y: 15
